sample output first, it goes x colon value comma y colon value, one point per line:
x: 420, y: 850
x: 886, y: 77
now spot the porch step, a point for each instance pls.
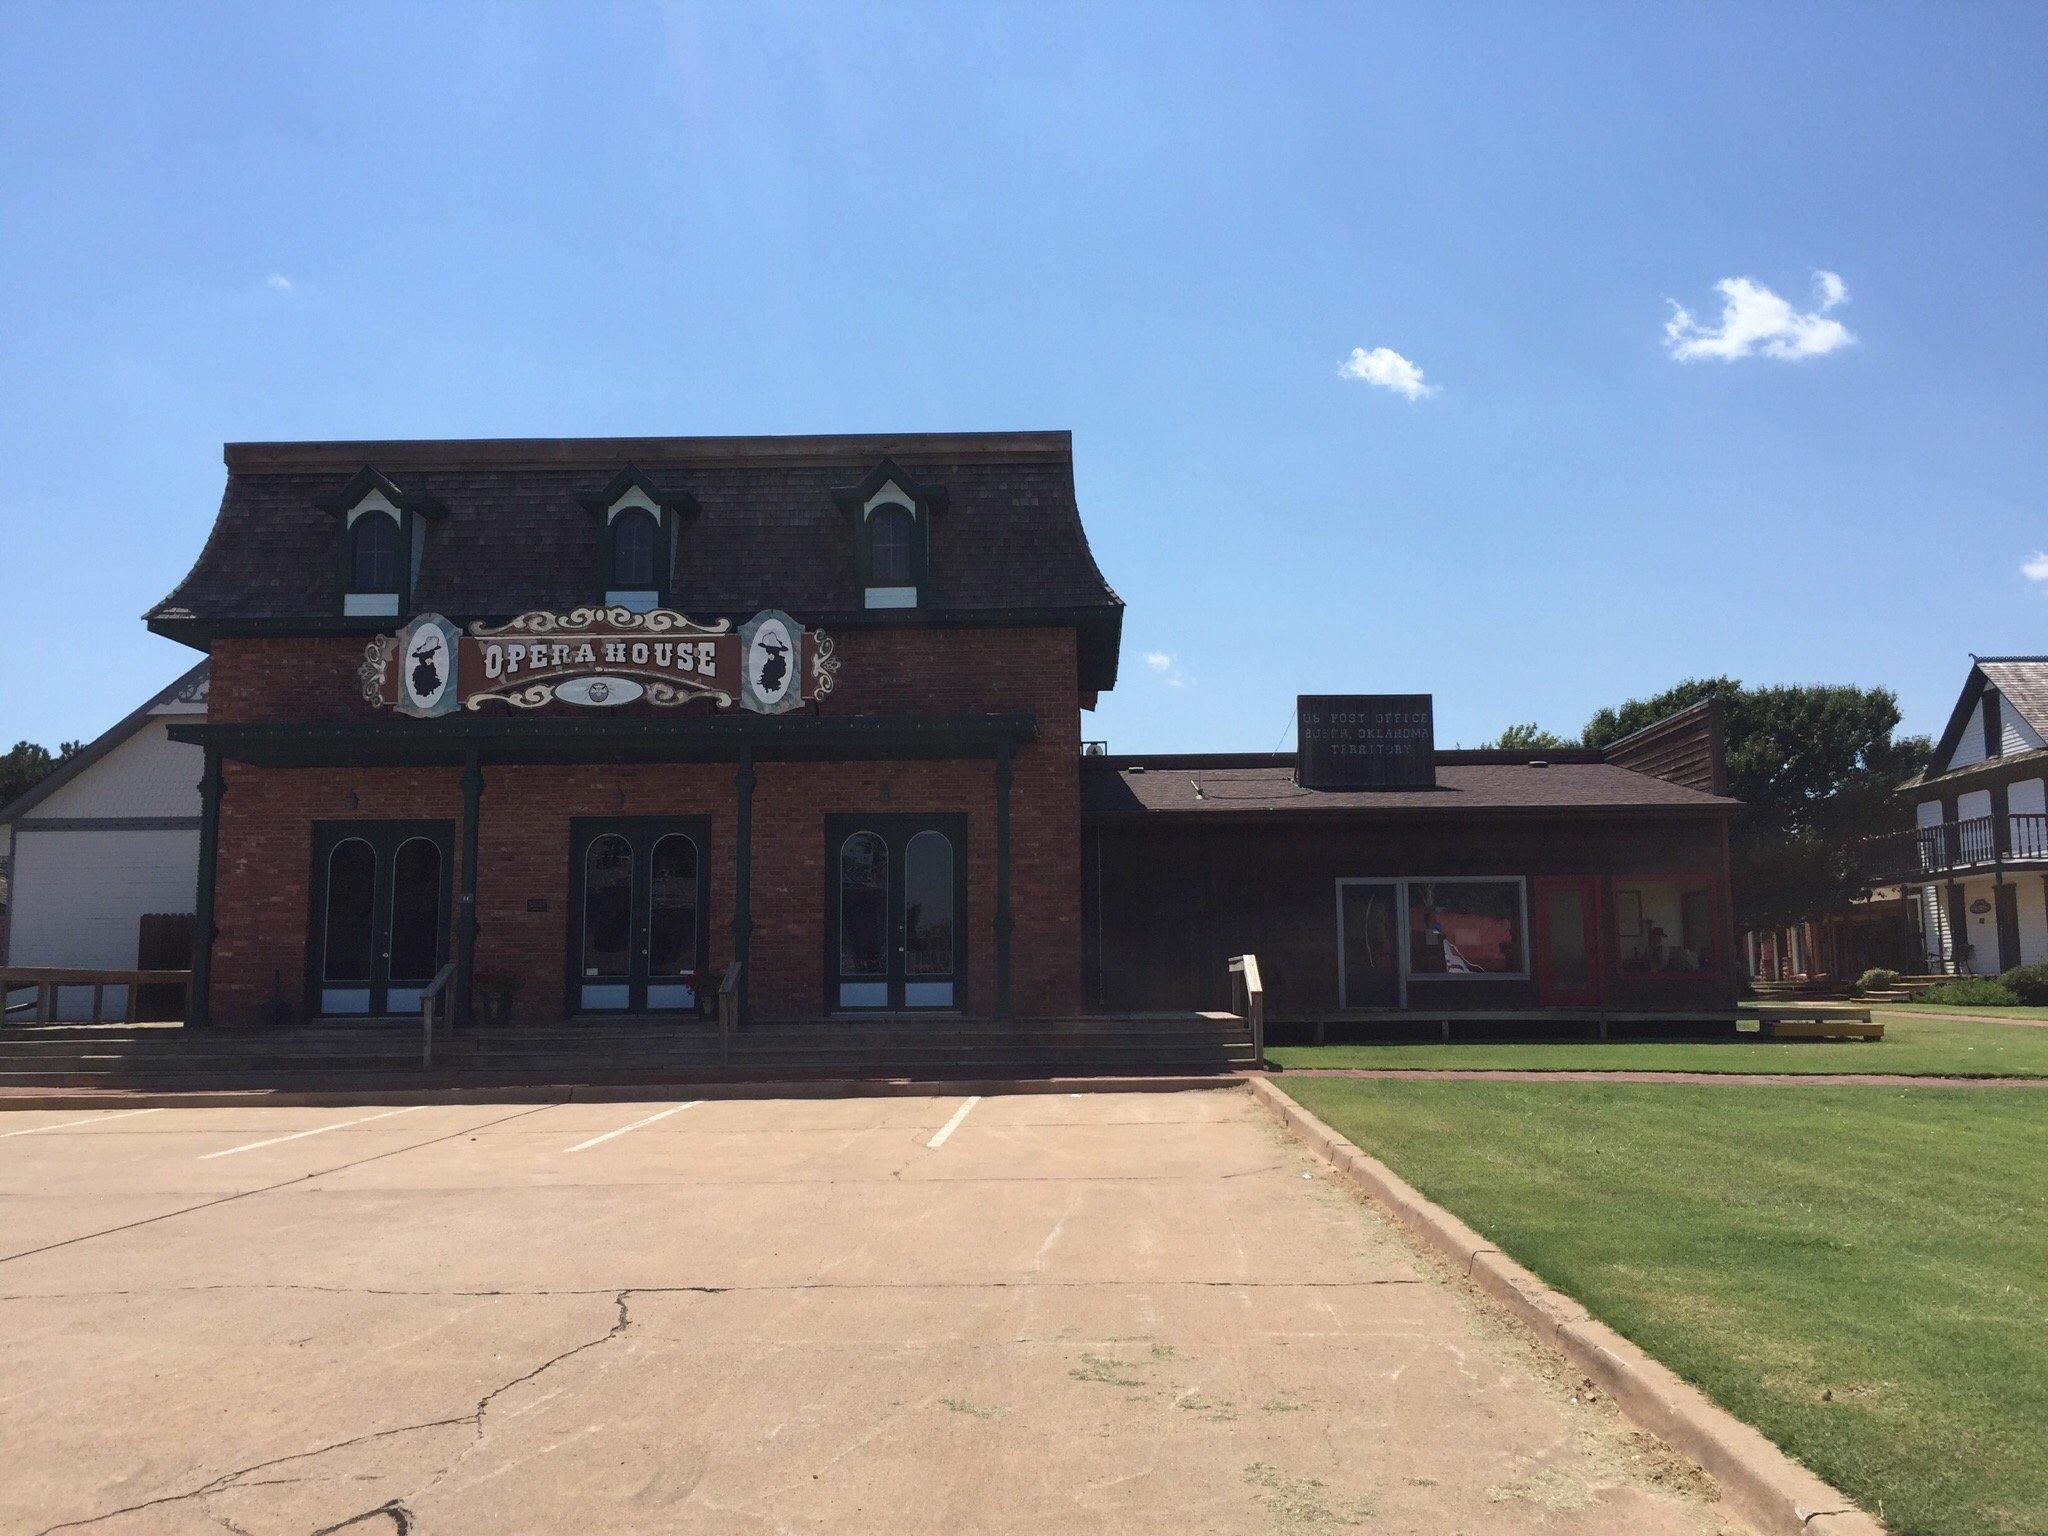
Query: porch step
x: 376, y: 1053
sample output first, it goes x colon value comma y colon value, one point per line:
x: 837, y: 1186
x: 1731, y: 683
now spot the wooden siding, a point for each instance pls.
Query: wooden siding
x: 1168, y: 902
x: 1687, y: 748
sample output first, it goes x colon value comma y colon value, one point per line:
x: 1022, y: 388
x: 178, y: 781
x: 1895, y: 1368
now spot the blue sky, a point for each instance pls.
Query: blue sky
x: 1166, y: 228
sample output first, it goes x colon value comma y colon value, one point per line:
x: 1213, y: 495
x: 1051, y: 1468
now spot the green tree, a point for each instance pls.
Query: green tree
x: 1816, y: 765
x: 27, y: 764
x: 1527, y: 737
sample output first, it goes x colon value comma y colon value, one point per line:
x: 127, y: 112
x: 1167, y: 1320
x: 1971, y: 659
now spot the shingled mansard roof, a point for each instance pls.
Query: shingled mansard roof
x: 760, y: 527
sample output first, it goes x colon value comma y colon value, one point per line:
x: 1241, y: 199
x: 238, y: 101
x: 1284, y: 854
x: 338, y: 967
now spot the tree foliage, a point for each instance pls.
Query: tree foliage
x: 26, y: 764
x: 1816, y: 765
x: 1528, y: 737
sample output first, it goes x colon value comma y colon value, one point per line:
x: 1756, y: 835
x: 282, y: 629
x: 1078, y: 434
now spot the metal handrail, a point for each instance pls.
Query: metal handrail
x: 728, y: 1011
x: 1248, y: 999
x: 436, y: 992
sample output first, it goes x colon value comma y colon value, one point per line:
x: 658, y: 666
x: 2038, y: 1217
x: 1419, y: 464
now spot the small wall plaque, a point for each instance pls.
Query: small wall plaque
x: 536, y: 903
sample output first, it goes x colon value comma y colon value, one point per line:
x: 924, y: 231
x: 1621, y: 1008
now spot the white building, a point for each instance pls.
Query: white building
x: 1975, y: 866
x: 110, y: 837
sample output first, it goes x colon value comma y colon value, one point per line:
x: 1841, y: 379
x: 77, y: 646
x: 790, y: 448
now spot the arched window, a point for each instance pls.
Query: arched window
x: 373, y: 553
x: 863, y: 906
x: 415, y: 947
x: 889, y: 552
x: 672, y: 909
x: 633, y: 542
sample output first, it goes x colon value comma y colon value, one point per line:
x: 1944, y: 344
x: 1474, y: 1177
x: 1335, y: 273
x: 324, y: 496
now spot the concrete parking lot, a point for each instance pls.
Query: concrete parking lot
x: 1031, y: 1313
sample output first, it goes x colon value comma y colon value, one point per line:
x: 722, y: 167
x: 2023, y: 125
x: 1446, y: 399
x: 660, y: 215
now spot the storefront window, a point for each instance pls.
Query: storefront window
x: 1664, y: 927
x: 1466, y: 928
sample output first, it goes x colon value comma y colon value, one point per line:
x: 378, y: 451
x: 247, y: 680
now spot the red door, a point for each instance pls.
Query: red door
x: 1567, y: 933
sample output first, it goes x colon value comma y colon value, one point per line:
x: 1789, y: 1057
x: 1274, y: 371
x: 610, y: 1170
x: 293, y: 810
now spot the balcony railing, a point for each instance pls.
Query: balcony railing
x: 1949, y: 847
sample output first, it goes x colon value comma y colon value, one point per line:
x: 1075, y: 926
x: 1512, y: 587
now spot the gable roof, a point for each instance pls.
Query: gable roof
x: 188, y: 688
x: 767, y: 532
x: 2022, y: 681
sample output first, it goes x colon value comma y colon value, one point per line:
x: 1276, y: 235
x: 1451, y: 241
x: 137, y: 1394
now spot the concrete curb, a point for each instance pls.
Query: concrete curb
x: 601, y: 1093
x: 1757, y: 1478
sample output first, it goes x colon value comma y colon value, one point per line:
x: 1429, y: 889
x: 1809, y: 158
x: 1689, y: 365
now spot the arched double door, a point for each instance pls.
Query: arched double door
x: 380, y: 914
x: 895, y: 912
x: 638, y: 925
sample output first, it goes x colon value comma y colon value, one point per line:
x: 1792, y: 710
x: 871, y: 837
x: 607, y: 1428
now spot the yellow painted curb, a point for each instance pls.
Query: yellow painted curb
x: 1755, y: 1476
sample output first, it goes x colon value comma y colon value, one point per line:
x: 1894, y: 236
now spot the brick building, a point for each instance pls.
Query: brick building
x: 579, y: 723
x: 907, y: 838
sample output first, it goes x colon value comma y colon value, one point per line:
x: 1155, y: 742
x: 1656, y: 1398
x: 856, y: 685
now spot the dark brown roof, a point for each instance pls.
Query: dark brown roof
x: 1006, y: 538
x: 1475, y: 782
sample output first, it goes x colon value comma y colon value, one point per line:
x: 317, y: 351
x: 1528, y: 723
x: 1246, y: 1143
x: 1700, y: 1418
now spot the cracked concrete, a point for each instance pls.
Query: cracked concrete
x: 1075, y: 1315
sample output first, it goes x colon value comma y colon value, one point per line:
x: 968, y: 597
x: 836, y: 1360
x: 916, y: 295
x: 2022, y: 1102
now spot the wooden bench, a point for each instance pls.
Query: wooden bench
x: 1815, y: 1023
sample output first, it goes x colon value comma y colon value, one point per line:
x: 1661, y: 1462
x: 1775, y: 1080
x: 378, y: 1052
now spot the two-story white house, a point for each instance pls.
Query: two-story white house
x: 1974, y: 869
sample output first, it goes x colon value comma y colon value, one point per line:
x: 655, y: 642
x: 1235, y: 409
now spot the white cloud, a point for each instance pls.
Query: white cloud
x: 1384, y: 368
x: 277, y: 282
x: 1167, y: 667
x: 2036, y: 568
x: 1755, y: 319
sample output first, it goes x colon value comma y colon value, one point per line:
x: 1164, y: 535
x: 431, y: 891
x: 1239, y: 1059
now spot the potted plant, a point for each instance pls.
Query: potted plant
x: 492, y: 992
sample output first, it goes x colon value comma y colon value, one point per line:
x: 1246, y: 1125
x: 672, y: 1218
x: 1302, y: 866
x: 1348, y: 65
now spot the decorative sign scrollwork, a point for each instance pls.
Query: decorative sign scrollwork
x: 599, y: 658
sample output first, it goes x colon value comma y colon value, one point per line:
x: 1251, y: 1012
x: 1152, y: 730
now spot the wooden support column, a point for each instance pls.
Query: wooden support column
x: 1958, y: 928
x: 743, y: 877
x: 1003, y: 1010
x: 466, y: 924
x: 199, y: 991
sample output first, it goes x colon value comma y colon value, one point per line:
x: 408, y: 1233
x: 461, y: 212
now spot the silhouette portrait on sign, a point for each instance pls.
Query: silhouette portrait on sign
x: 426, y: 667
x: 775, y: 669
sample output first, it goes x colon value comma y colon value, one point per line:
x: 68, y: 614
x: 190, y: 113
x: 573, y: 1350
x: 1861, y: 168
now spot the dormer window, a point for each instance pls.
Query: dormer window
x: 891, y: 514
x: 381, y: 535
x: 373, y: 553
x: 889, y: 530
x: 633, y: 535
x: 636, y: 540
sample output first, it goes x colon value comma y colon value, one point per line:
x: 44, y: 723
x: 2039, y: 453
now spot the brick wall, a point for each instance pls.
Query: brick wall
x: 267, y: 815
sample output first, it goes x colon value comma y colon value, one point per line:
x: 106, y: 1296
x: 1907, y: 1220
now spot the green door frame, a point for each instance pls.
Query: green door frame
x: 642, y: 835
x: 895, y: 829
x: 385, y: 838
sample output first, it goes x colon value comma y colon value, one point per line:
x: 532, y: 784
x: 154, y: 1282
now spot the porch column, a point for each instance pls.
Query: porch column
x: 199, y: 992
x: 743, y: 875
x: 466, y: 925
x: 1003, y: 878
x: 1958, y: 929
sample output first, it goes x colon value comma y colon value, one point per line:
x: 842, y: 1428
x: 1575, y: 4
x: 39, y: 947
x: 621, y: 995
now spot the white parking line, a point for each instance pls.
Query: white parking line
x: 89, y: 1120
x: 953, y: 1124
x: 660, y: 1114
x: 317, y: 1130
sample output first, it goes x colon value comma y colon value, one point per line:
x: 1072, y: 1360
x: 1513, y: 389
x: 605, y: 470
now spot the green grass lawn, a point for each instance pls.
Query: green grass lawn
x: 1862, y: 1273
x: 1969, y: 1008
x: 1946, y: 1047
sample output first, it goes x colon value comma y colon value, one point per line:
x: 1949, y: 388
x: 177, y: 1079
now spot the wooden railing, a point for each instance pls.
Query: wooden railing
x: 1979, y: 842
x: 434, y: 1003
x: 46, y: 979
x: 728, y: 1011
x: 1248, y: 1000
